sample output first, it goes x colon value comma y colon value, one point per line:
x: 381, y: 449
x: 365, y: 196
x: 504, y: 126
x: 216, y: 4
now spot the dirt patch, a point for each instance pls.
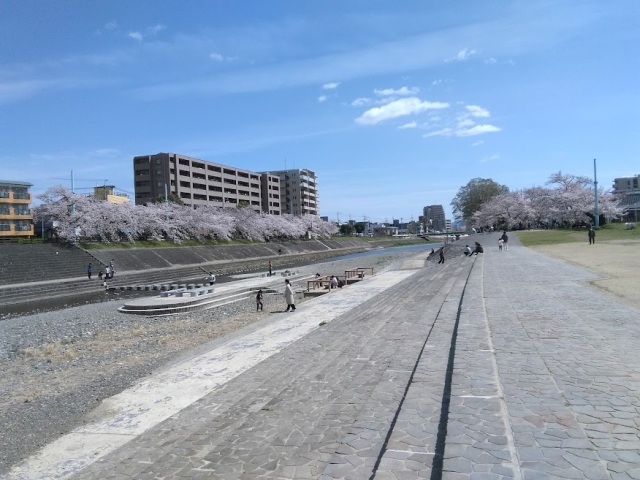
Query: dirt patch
x: 617, y: 262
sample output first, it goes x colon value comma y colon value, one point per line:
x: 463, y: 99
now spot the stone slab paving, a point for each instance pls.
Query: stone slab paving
x: 547, y: 376
x: 507, y: 365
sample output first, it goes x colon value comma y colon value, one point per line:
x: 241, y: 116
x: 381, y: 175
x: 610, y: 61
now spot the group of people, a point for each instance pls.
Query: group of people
x: 107, y: 274
x: 289, y: 297
x: 468, y: 251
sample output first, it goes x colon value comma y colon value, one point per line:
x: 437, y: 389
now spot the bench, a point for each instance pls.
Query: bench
x: 184, y: 292
x: 357, y: 273
x: 324, y: 283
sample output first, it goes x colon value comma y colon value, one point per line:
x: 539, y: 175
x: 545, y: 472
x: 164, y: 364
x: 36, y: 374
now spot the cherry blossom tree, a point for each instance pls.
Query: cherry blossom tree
x: 87, y: 216
x: 567, y: 201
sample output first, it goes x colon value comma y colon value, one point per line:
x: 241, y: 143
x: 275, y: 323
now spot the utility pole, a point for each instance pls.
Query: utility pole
x: 596, y: 215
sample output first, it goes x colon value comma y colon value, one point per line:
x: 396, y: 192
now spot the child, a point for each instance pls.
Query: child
x: 500, y: 243
x: 259, y: 305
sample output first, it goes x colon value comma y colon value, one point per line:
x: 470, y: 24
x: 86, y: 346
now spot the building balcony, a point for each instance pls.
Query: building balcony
x: 8, y: 231
x: 18, y: 198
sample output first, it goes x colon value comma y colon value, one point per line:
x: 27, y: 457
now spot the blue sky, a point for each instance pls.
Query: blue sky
x: 395, y: 105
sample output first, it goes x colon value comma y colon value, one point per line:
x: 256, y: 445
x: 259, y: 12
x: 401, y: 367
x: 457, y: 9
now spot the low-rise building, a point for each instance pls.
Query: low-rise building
x: 16, y: 219
x: 109, y: 194
x: 627, y: 190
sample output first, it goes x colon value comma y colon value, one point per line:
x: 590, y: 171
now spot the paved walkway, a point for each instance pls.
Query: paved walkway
x: 505, y: 365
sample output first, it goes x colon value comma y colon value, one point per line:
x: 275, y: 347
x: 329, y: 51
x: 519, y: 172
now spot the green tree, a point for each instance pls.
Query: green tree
x: 359, y: 227
x: 470, y: 198
x: 172, y: 198
x: 346, y: 229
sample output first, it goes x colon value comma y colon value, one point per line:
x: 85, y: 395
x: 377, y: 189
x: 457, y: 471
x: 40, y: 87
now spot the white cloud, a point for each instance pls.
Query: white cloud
x: 467, y: 122
x: 478, y: 143
x: 478, y: 130
x: 462, y: 56
x: 361, y: 102
x: 477, y: 111
x: 216, y: 56
x: 322, y: 98
x: 111, y: 25
x: 148, y: 32
x: 331, y: 86
x: 444, y: 132
x: 398, y: 108
x: 491, y: 158
x: 136, y: 36
x: 408, y: 125
x: 464, y: 132
x: 400, y: 91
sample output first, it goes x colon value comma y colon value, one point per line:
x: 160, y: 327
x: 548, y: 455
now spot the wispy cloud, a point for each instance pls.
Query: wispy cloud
x: 463, y: 131
x: 11, y: 92
x: 322, y: 98
x: 361, y: 102
x: 148, y: 32
x: 408, y: 125
x: 331, y: 86
x: 463, y: 124
x: 398, y: 108
x: 402, y: 91
x: 491, y: 158
x: 216, y: 57
x: 478, y: 112
x: 462, y: 56
x: 136, y: 36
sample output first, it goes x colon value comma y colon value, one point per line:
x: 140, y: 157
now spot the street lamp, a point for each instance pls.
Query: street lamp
x: 595, y: 192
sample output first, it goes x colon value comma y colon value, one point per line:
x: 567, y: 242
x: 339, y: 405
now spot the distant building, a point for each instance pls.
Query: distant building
x: 16, y: 219
x: 198, y: 182
x: 298, y: 191
x: 626, y: 184
x: 109, y: 194
x: 627, y: 190
x: 433, y: 216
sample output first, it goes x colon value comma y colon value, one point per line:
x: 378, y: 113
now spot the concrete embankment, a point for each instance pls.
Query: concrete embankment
x: 39, y: 272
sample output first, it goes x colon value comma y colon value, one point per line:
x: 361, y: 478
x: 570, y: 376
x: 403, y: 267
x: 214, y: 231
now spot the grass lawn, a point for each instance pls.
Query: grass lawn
x: 609, y: 232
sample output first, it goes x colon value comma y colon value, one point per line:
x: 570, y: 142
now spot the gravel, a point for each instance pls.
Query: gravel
x: 57, y: 366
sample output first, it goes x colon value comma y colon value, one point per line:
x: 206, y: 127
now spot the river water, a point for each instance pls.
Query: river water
x: 48, y: 304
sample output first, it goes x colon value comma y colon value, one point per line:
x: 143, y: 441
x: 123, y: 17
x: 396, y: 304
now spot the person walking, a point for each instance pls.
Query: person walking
x: 288, y: 296
x: 259, y: 304
x: 505, y: 240
x: 592, y: 236
x: 270, y: 267
x: 112, y: 266
x: 89, y: 270
x: 441, y: 254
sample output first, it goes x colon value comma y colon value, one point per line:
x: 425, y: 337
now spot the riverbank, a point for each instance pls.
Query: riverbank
x: 60, y: 365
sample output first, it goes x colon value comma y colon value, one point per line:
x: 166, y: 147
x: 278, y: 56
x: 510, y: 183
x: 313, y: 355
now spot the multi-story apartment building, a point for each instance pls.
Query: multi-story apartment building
x: 627, y: 189
x: 298, y: 191
x: 434, y: 220
x: 198, y: 182
x: 16, y: 219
